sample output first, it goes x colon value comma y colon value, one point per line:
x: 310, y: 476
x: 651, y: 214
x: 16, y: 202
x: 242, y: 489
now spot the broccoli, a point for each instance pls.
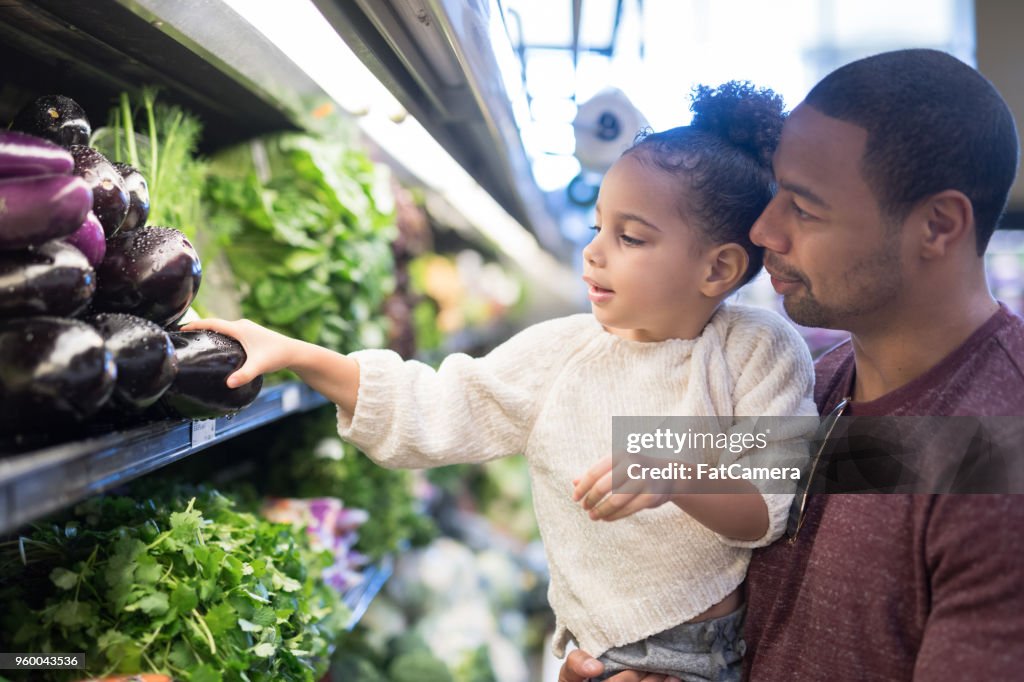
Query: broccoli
x: 418, y: 666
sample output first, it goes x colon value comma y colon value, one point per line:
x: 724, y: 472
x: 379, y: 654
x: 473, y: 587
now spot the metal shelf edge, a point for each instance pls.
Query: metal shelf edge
x: 358, y: 598
x: 36, y: 483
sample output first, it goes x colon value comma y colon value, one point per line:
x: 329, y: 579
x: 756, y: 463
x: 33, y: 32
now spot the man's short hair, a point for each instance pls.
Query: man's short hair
x: 933, y: 123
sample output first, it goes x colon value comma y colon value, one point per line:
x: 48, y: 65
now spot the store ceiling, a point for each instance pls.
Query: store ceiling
x: 438, y: 60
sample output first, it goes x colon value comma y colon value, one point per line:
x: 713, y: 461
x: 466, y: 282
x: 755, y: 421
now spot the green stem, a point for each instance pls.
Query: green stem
x: 117, y: 138
x: 166, y: 577
x: 88, y: 565
x: 129, y: 130
x: 152, y: 638
x: 205, y: 630
x: 158, y: 176
x: 154, y: 157
x: 159, y: 538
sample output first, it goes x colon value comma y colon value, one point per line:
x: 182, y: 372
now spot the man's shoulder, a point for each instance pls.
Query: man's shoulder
x: 1009, y: 336
x: 834, y: 359
x: 832, y: 373
x: 990, y: 377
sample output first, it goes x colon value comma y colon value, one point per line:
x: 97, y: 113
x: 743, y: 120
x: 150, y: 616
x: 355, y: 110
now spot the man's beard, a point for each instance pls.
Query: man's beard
x: 868, y: 285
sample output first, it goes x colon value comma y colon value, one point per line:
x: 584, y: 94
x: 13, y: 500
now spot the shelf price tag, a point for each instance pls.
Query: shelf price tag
x: 203, y: 431
x: 291, y: 399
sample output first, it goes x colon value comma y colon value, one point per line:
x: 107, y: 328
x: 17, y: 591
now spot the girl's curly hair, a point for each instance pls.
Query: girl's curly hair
x: 724, y: 160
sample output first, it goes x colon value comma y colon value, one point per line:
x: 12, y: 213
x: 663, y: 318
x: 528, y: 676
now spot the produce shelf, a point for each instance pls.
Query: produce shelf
x: 359, y: 597
x: 44, y: 480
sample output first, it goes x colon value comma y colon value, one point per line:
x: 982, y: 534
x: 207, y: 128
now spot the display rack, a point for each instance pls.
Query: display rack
x: 204, y: 57
x: 44, y: 480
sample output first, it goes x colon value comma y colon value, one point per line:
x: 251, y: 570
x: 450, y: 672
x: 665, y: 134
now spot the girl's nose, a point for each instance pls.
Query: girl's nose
x: 592, y: 253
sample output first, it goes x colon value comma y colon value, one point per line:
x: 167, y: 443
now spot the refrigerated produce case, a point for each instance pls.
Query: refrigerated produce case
x: 208, y: 60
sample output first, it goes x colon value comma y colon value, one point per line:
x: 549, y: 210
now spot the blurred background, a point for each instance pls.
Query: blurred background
x: 411, y: 174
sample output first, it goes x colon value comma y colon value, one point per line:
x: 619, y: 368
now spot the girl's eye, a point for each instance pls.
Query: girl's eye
x: 626, y: 239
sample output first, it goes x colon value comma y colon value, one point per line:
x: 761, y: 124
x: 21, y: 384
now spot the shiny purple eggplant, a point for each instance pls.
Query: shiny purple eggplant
x: 37, y: 209
x: 200, y: 391
x: 22, y: 155
x: 52, y: 279
x: 152, y: 272
x: 138, y: 196
x: 52, y: 370
x: 90, y: 239
x: 144, y: 355
x: 110, y: 199
x: 54, y: 117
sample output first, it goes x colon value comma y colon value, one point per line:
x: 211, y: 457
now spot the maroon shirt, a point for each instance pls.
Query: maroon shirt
x: 900, y: 587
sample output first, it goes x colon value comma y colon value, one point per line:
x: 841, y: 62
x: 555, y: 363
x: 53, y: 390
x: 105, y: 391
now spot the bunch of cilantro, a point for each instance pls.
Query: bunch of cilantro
x: 183, y: 584
x: 307, y: 224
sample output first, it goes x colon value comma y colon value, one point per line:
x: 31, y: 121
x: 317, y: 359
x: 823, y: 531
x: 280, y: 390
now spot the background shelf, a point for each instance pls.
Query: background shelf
x: 41, y: 481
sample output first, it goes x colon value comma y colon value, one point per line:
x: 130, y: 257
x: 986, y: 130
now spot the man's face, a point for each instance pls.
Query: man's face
x: 829, y: 250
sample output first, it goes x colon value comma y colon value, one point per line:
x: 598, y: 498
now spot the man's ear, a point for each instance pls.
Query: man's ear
x: 946, y: 221
x: 726, y: 265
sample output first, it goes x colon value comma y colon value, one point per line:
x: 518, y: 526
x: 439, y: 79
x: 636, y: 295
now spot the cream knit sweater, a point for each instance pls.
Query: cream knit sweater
x: 550, y: 393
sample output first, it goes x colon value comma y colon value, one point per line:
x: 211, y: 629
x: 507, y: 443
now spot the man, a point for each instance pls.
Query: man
x: 891, y: 176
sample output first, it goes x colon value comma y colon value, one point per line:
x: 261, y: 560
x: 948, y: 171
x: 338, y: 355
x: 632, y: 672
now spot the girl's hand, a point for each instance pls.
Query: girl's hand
x: 593, y: 490
x: 265, y: 350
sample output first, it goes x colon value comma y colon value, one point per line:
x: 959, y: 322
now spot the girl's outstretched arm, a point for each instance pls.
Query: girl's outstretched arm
x: 333, y: 375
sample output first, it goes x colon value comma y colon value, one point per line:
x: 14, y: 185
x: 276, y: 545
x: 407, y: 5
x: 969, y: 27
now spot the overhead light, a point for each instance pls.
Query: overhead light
x: 299, y: 30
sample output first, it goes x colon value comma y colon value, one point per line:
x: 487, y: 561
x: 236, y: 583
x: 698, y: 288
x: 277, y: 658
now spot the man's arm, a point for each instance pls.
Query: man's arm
x: 580, y: 666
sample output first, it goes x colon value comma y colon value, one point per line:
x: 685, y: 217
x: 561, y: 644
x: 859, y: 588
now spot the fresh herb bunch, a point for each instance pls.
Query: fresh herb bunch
x: 310, y: 221
x: 183, y: 584
x: 161, y: 141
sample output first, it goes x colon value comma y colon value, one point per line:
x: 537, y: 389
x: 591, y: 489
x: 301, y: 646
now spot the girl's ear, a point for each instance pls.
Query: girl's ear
x: 726, y: 265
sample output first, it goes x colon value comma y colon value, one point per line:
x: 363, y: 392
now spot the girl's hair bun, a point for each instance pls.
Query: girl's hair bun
x: 748, y: 117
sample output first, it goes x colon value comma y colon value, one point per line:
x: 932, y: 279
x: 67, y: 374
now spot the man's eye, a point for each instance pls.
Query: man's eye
x: 800, y: 213
x: 631, y: 241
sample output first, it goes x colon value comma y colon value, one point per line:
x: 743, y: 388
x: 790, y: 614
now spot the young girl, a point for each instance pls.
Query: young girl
x: 659, y: 590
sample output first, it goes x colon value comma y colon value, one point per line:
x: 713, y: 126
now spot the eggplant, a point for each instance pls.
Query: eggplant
x: 144, y: 355
x: 152, y: 272
x: 22, y: 154
x: 205, y: 361
x: 109, y: 195
x: 52, y: 370
x: 55, y: 117
x: 138, y: 196
x: 37, y: 209
x: 52, y: 279
x: 90, y: 239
